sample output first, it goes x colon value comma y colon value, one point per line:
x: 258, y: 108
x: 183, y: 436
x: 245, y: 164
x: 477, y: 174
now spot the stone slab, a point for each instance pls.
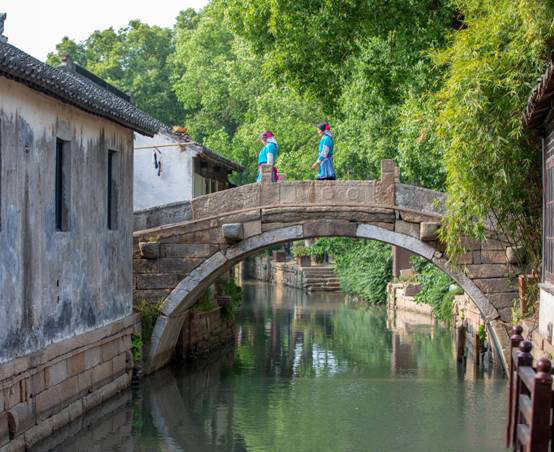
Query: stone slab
x: 299, y: 214
x: 420, y: 199
x: 503, y: 299
x: 145, y: 266
x: 189, y: 250
x: 325, y: 228
x: 182, y: 266
x: 410, y: 243
x: 492, y: 285
x: 158, y: 280
x: 493, y: 257
x: 240, y: 198
x: 488, y: 270
x: 411, y: 229
x: 252, y: 228
x: 56, y: 373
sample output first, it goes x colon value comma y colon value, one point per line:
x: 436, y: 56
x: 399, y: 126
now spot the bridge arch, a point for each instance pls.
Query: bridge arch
x: 185, y: 294
x: 178, y: 261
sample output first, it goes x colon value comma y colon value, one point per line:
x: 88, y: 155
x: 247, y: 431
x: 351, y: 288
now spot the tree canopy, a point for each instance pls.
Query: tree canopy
x: 437, y: 85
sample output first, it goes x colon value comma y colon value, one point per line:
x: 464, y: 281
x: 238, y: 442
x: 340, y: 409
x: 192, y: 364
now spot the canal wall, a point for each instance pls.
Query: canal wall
x: 401, y: 296
x: 204, y: 332
x: 315, y: 278
x: 43, y: 392
x: 472, y: 337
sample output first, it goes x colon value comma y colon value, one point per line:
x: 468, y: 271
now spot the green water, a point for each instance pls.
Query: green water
x: 310, y: 373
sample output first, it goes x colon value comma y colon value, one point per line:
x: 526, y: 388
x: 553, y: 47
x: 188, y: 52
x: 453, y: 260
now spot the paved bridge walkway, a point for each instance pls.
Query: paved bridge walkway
x: 176, y: 262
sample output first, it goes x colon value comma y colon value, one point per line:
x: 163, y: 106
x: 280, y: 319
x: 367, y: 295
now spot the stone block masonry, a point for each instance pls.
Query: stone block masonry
x: 43, y: 392
x: 317, y: 278
x: 203, y: 332
x: 273, y: 213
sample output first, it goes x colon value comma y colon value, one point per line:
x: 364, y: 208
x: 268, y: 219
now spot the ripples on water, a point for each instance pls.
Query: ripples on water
x: 308, y: 373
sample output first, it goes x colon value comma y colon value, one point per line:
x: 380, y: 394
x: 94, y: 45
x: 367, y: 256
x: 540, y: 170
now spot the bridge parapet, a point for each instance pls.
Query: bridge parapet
x: 289, y: 193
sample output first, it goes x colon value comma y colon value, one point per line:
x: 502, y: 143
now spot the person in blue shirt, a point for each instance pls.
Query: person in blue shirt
x: 268, y: 155
x: 325, y: 155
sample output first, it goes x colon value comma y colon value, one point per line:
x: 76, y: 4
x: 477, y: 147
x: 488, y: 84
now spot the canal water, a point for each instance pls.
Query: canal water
x: 308, y: 373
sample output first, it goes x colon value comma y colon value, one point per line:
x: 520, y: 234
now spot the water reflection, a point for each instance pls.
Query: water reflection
x: 311, y: 373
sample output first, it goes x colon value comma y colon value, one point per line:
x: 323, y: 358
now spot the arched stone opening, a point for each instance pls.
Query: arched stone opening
x: 185, y: 294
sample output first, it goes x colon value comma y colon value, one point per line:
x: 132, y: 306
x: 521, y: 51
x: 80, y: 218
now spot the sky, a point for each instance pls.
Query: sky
x: 36, y: 26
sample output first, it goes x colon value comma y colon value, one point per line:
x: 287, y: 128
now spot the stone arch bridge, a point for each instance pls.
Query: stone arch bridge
x: 176, y: 262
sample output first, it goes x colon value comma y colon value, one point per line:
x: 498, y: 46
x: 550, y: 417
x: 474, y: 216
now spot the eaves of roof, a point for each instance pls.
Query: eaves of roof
x: 540, y: 101
x: 73, y: 89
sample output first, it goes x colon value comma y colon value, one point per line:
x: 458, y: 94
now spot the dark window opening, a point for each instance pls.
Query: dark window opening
x: 113, y: 171
x: 63, y: 173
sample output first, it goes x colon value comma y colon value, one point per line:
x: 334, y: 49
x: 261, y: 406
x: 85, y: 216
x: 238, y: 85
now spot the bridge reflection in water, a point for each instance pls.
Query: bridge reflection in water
x: 310, y: 372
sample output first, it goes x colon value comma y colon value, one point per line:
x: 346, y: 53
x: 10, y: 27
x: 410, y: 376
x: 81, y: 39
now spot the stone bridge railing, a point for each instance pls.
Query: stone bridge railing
x: 175, y: 262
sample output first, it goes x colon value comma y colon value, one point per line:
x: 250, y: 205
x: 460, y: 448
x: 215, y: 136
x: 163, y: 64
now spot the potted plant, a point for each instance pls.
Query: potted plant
x: 302, y: 255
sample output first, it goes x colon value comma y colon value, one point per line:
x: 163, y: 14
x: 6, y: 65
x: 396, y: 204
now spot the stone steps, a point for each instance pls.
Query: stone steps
x: 321, y: 279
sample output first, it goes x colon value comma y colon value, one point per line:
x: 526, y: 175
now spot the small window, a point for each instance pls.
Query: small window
x: 63, y: 184
x: 113, y: 188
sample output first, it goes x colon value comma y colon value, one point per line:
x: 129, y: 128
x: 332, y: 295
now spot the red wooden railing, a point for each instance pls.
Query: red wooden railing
x: 530, y: 427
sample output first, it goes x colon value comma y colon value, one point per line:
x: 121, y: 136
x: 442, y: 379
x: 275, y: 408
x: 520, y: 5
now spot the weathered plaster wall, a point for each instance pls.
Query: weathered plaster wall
x: 174, y: 184
x: 55, y: 285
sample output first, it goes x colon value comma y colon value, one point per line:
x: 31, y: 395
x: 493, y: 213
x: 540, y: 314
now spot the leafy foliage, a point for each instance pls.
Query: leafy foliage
x: 493, y: 169
x: 435, y: 288
x: 364, y: 268
x: 149, y: 313
x: 137, y: 59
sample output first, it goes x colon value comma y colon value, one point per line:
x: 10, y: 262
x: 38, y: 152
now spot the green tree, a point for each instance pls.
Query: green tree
x: 229, y: 100
x: 493, y: 167
x: 136, y: 59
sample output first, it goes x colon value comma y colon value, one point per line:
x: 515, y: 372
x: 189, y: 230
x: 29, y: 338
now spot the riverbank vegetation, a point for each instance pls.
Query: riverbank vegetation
x: 437, y: 85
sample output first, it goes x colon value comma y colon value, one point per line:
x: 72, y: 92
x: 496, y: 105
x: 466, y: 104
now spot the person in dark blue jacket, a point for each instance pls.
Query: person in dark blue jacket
x: 325, y: 155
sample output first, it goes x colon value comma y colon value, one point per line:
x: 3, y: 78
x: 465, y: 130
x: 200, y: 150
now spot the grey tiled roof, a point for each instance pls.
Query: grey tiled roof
x: 218, y: 158
x: 538, y: 105
x: 73, y: 89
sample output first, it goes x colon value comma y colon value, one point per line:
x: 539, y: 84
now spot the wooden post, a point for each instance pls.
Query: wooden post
x: 477, y: 349
x: 515, y: 340
x: 541, y: 405
x: 460, y: 342
x: 523, y: 359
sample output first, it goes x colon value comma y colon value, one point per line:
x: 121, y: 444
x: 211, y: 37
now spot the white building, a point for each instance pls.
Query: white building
x: 171, y: 168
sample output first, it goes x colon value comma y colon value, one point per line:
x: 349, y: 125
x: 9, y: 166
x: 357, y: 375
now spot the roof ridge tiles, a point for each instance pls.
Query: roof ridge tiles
x: 73, y: 89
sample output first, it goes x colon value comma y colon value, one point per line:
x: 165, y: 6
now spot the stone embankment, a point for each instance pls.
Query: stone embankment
x: 203, y: 332
x: 313, y: 278
x: 45, y: 391
x: 401, y: 296
x: 471, y: 333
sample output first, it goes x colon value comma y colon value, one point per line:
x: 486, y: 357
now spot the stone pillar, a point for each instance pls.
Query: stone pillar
x: 400, y: 260
x: 267, y: 172
x: 384, y: 193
